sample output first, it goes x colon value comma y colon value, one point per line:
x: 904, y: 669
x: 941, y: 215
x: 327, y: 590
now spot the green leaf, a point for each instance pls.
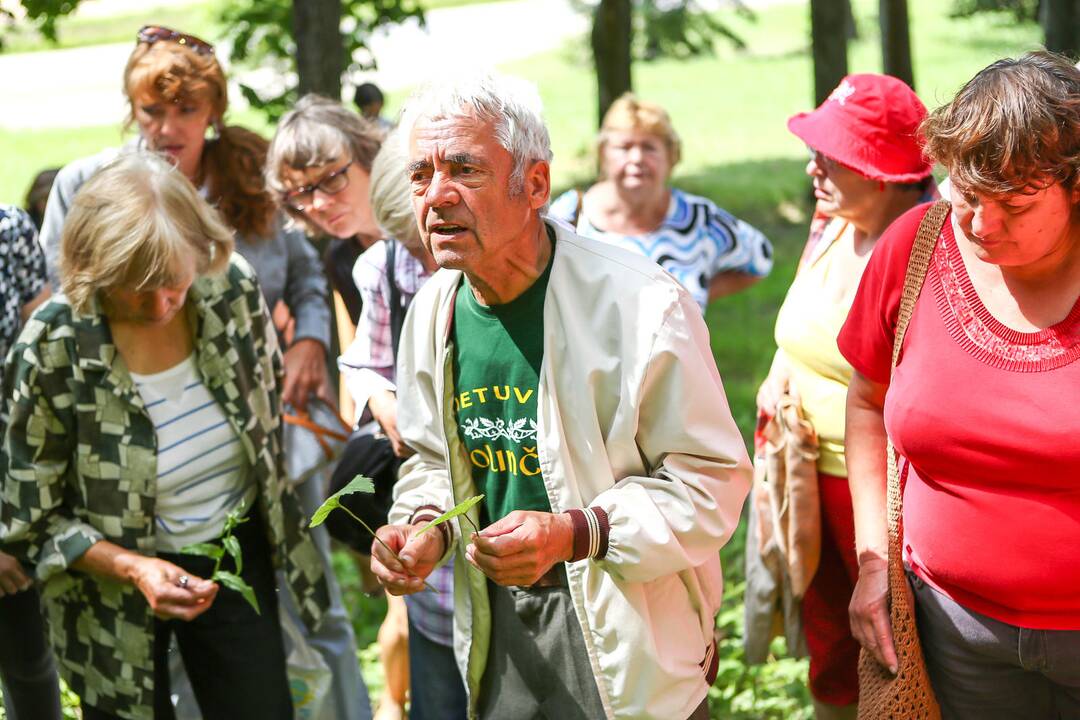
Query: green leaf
x: 358, y: 484
x: 234, y: 518
x: 234, y: 582
x: 460, y: 509
x: 204, y: 549
x: 232, y: 545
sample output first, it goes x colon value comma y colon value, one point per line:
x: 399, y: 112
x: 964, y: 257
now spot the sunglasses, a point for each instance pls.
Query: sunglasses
x: 151, y: 34
x: 301, y: 198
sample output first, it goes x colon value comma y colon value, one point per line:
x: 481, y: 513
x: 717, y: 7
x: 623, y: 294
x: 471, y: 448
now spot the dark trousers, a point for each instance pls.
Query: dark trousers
x: 31, y: 687
x: 436, y: 690
x: 985, y: 669
x: 234, y: 657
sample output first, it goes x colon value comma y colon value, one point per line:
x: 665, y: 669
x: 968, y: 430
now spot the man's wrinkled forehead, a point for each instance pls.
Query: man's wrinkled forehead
x: 449, y: 137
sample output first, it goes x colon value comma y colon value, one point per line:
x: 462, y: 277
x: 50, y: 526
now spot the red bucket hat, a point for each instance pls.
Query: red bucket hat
x: 870, y: 123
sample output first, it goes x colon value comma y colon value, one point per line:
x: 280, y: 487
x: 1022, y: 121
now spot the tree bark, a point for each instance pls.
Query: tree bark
x: 320, y: 51
x: 1059, y: 24
x: 828, y: 41
x: 851, y: 27
x: 896, y: 40
x: 611, y: 36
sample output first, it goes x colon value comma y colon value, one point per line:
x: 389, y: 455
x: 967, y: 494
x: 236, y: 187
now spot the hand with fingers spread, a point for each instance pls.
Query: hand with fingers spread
x: 13, y: 578
x: 418, y: 554
x: 171, y: 592
x: 521, y: 547
x: 871, y: 624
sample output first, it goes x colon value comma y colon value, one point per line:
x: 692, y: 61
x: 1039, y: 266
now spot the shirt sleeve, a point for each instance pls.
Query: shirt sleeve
x: 741, y: 247
x: 306, y: 291
x: 565, y: 207
x: 37, y: 525
x: 27, y: 258
x: 686, y: 509
x: 866, y: 340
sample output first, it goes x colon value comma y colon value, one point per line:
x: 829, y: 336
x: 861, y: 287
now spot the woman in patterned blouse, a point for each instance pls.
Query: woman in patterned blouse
x: 708, y: 250
x: 143, y: 409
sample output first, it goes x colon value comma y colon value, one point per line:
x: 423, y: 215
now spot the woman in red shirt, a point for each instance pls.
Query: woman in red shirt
x: 982, y: 405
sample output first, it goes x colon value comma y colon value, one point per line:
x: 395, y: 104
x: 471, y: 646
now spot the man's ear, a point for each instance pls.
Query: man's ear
x: 538, y: 183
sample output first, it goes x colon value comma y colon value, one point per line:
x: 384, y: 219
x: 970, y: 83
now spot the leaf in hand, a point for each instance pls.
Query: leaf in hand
x: 232, y: 545
x: 234, y: 518
x: 358, y: 484
x: 459, y: 509
x: 235, y: 582
x: 210, y: 550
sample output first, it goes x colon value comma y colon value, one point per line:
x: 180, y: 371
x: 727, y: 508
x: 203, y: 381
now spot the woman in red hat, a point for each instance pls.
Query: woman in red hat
x: 868, y: 169
x: 982, y: 406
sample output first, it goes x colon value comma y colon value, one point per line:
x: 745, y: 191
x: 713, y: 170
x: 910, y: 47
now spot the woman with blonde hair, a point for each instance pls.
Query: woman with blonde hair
x: 178, y: 97
x: 708, y: 250
x: 979, y: 404
x: 134, y: 431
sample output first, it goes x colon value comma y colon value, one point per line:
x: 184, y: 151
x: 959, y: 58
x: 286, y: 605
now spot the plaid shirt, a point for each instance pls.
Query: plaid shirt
x: 368, y: 366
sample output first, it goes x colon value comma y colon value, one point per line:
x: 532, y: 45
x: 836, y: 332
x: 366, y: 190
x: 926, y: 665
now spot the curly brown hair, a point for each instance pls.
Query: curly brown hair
x: 232, y: 163
x: 1014, y: 126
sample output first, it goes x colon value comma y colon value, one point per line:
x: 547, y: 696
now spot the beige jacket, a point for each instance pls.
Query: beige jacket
x: 632, y: 419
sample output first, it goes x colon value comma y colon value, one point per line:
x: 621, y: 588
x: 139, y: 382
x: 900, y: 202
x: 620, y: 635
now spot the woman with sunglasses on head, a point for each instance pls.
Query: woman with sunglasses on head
x: 177, y: 93
x: 867, y: 170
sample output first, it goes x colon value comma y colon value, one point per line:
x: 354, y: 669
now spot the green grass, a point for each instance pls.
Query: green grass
x: 730, y: 111
x: 81, y: 31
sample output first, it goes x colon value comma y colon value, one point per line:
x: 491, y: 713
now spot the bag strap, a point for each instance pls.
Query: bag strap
x: 394, y: 299
x: 303, y: 419
x: 925, y: 241
x: 577, y: 209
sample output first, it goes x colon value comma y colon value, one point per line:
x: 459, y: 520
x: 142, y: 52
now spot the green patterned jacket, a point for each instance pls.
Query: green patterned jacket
x: 79, y: 464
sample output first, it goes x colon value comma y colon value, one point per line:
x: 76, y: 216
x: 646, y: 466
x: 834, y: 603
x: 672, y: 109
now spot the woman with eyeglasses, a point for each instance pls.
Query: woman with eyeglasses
x: 178, y: 98
x: 867, y: 170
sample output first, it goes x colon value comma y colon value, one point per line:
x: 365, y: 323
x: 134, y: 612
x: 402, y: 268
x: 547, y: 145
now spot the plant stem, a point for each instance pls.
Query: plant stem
x: 379, y: 540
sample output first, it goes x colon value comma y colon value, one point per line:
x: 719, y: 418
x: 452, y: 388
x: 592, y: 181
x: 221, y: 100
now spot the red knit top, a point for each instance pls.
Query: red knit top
x: 988, y: 419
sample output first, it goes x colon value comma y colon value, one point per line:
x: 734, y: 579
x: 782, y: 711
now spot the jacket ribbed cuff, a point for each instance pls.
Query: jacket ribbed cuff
x: 590, y: 533
x: 427, y: 513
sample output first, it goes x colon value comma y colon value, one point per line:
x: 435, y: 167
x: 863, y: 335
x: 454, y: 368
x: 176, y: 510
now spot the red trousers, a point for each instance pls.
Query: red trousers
x: 834, y: 653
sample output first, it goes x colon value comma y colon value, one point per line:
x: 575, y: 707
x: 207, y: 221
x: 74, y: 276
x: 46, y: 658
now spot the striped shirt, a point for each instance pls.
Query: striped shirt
x: 695, y: 242
x: 203, y: 472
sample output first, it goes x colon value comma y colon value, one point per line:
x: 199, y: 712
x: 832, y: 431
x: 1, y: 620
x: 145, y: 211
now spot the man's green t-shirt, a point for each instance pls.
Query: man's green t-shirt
x: 497, y: 356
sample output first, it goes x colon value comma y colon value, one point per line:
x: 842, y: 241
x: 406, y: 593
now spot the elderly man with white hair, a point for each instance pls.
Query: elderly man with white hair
x: 572, y: 384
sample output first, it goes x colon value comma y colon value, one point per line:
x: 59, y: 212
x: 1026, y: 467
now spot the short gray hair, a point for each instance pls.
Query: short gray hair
x: 391, y: 195
x: 316, y: 132
x: 131, y: 224
x: 512, y: 104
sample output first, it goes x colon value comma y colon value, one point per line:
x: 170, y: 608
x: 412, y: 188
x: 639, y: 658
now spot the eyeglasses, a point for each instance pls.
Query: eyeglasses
x: 151, y: 34
x: 301, y: 198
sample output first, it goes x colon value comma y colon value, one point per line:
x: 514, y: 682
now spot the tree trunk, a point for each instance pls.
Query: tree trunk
x: 828, y: 41
x: 895, y: 40
x: 320, y: 51
x: 1059, y: 24
x: 611, y: 35
x: 851, y: 27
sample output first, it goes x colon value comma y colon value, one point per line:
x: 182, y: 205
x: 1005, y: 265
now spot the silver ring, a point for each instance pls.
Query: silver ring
x: 183, y: 581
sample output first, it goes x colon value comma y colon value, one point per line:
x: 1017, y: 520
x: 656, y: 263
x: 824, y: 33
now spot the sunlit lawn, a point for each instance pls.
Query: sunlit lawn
x: 730, y: 111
